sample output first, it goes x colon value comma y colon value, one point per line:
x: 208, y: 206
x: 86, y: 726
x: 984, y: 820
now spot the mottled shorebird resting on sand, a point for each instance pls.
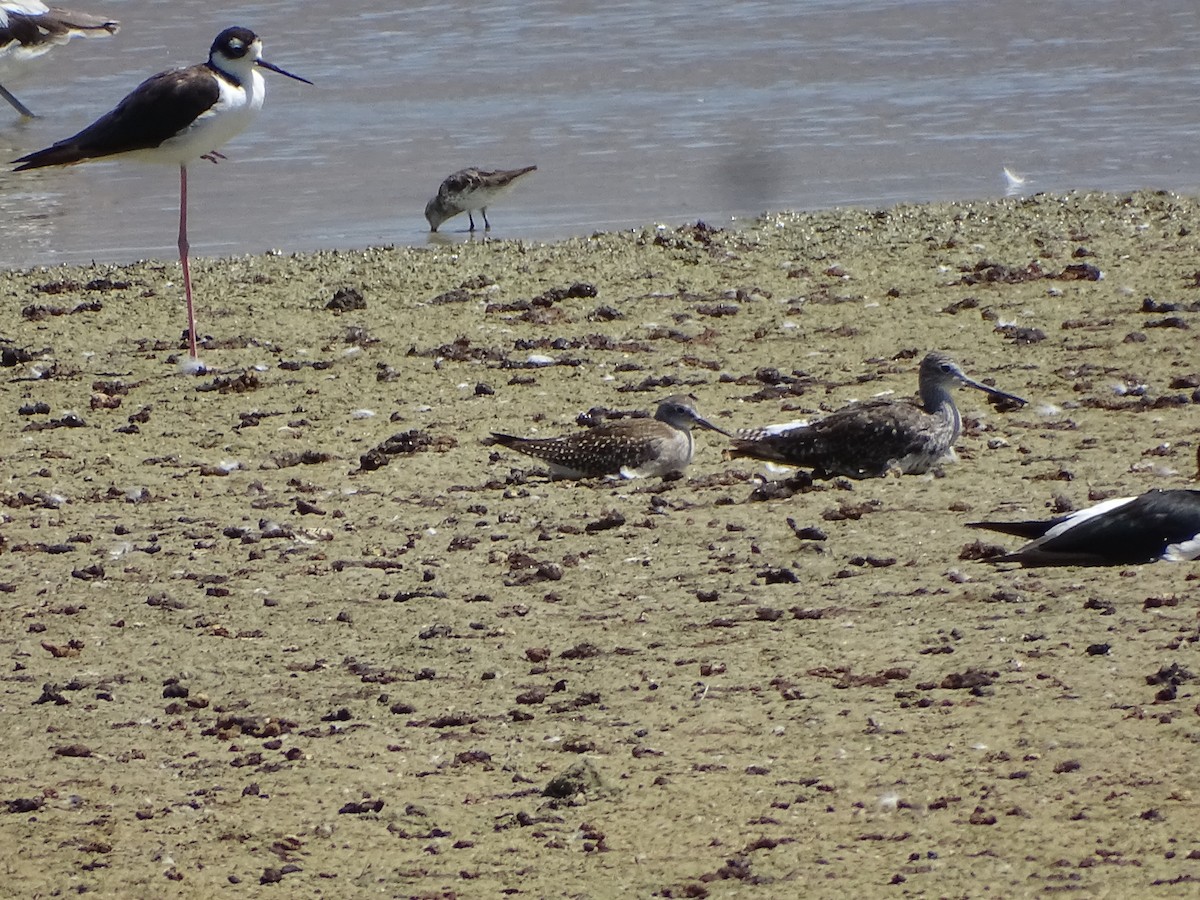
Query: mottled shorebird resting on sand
x: 30, y: 28
x: 1120, y: 532
x: 868, y: 440
x: 177, y: 117
x: 631, y: 448
x: 470, y: 189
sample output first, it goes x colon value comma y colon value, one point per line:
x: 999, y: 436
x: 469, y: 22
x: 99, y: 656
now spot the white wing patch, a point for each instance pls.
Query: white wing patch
x: 1083, y: 515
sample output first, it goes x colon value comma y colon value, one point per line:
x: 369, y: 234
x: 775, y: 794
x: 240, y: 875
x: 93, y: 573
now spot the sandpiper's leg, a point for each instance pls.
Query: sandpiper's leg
x: 471, y: 218
x: 183, y: 260
x: 16, y: 104
x: 487, y: 226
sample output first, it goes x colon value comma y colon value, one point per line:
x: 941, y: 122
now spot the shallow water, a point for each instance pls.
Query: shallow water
x: 634, y: 112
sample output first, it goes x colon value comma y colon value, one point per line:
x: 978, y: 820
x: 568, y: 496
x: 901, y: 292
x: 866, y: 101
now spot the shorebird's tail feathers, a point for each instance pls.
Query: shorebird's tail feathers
x: 1028, y: 530
x: 511, y: 441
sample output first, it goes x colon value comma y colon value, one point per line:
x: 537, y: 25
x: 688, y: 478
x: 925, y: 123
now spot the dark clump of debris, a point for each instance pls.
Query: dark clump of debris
x: 405, y: 443
x: 346, y: 299
x: 1170, y: 677
x: 799, y: 483
x: 989, y: 272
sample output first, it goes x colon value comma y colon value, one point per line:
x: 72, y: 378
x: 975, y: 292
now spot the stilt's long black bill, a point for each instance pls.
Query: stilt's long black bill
x: 275, y: 68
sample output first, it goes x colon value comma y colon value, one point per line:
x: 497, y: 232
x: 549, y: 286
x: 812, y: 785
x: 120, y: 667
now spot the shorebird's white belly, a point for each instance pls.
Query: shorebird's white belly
x: 480, y: 197
x: 234, y: 110
x: 1184, y: 551
x: 673, y: 453
x: 922, y: 461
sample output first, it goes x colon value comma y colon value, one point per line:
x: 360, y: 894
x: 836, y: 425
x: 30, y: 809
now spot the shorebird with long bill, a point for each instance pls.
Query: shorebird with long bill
x: 29, y: 29
x: 177, y: 117
x: 629, y: 448
x: 869, y: 440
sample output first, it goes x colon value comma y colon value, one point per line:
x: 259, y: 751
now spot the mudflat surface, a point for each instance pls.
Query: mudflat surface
x: 292, y: 625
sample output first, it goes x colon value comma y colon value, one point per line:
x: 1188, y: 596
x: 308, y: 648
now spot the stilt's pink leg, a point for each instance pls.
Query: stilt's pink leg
x: 183, y: 260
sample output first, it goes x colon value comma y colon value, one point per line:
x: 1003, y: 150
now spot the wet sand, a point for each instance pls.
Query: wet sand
x: 247, y: 652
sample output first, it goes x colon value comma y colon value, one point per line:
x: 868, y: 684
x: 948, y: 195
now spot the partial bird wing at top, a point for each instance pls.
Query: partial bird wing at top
x: 32, y: 24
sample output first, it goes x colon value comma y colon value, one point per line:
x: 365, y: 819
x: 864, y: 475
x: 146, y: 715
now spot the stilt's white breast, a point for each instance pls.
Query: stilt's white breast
x: 236, y: 107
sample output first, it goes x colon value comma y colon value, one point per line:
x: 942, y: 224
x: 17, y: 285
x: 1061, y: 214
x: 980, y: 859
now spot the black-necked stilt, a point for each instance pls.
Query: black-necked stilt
x: 631, y: 448
x: 176, y: 117
x: 868, y: 440
x: 1120, y: 532
x: 470, y: 189
x: 29, y: 28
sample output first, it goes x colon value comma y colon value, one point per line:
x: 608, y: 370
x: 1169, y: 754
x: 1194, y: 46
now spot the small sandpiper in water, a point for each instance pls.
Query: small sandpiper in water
x: 470, y: 189
x: 30, y: 28
x: 630, y: 448
x: 1124, y: 531
x: 868, y: 440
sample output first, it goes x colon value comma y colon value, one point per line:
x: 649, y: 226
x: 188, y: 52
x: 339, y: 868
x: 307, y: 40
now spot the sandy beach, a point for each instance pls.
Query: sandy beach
x: 294, y: 627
